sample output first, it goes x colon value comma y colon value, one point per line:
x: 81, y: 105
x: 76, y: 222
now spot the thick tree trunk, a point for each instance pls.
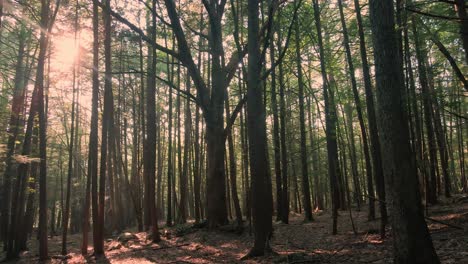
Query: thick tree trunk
x: 216, y: 185
x: 412, y: 242
x: 261, y: 204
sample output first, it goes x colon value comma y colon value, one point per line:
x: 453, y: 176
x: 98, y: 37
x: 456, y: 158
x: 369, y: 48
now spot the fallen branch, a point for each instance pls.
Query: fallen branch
x: 426, y: 217
x: 444, y: 223
x: 160, y: 248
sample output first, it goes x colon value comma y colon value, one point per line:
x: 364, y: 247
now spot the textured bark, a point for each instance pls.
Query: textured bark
x: 412, y: 242
x: 149, y: 148
x: 261, y: 204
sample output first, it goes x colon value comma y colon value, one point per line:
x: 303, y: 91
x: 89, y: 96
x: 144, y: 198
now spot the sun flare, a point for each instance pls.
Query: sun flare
x: 66, y: 50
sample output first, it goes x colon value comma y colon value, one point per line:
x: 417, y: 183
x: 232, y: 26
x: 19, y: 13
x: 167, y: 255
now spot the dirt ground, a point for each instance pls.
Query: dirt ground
x: 297, y: 242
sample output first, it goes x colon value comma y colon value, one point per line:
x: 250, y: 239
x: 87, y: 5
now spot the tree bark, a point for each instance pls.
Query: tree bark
x: 261, y: 204
x: 431, y: 182
x: 43, y: 44
x: 304, y: 166
x: 330, y: 123
x: 412, y: 242
x: 150, y: 147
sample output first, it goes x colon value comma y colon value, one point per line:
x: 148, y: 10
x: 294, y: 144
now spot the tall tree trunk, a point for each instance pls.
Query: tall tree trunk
x: 71, y: 153
x: 169, y: 161
x: 357, y: 102
x: 304, y: 162
x: 17, y: 107
x: 197, y: 168
x: 375, y: 145
x: 232, y: 169
x: 408, y: 225
x: 261, y: 204
x: 330, y: 123
x: 93, y: 137
x: 107, y: 124
x: 184, y: 176
x: 43, y: 44
x: 150, y: 147
x: 428, y: 112
x: 276, y: 133
x: 284, y: 157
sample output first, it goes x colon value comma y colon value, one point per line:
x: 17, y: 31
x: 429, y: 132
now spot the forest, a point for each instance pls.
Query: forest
x: 233, y: 131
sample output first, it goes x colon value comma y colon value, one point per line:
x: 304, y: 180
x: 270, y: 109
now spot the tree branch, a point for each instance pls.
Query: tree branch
x: 232, y: 118
x: 139, y: 31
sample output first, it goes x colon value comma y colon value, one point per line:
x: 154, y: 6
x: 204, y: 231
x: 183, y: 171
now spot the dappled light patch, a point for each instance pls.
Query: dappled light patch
x: 301, y: 242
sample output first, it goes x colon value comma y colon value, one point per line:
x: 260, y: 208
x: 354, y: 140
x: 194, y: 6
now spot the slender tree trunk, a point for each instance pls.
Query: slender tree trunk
x: 185, y: 163
x: 377, y: 162
x: 43, y: 43
x: 169, y: 164
x: 284, y: 157
x: 428, y: 112
x: 17, y: 107
x: 107, y: 124
x: 232, y: 169
x: 196, y: 171
x: 71, y: 143
x: 150, y: 147
x: 357, y: 102
x: 304, y: 166
x: 330, y: 122
x: 276, y: 133
x: 93, y: 137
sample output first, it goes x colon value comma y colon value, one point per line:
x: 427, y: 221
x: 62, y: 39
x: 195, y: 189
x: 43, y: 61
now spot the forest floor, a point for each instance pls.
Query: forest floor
x: 298, y: 242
